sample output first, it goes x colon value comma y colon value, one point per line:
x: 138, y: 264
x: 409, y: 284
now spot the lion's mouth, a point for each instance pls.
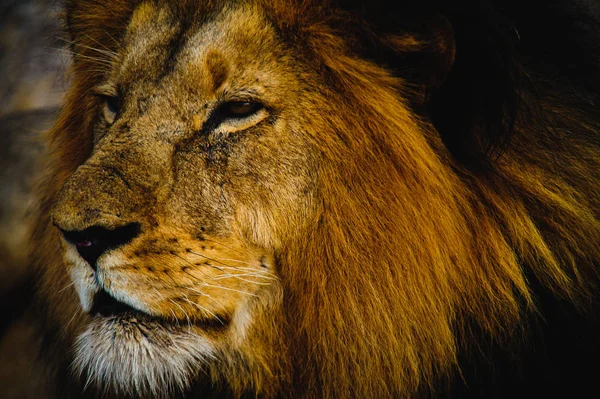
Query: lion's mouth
x: 105, y: 305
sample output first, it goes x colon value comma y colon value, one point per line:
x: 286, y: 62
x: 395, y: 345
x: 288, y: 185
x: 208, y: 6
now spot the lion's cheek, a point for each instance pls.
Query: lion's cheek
x: 257, y: 226
x: 269, y: 221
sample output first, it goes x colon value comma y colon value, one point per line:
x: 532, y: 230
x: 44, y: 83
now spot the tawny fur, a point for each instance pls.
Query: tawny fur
x: 382, y: 246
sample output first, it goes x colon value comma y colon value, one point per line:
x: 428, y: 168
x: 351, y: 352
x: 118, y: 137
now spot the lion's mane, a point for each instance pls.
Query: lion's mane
x: 461, y: 181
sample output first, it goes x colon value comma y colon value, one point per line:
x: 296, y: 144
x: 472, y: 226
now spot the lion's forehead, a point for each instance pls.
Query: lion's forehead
x: 233, y: 50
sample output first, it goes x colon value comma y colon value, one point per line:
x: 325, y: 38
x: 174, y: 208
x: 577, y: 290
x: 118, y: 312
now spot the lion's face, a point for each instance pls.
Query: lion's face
x: 198, y: 174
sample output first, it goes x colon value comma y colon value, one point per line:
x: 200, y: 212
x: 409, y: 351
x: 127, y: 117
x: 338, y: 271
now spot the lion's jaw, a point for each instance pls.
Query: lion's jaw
x: 132, y: 352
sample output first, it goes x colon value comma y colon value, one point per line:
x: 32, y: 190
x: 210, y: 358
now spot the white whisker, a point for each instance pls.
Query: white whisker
x: 67, y: 286
x: 230, y: 289
x: 205, y: 295
x: 204, y: 309
x: 185, y: 314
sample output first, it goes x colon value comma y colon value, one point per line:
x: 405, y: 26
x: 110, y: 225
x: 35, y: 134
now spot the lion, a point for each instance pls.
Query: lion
x: 311, y: 199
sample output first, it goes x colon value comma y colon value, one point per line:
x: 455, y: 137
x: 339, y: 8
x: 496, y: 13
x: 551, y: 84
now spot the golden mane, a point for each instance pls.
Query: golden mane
x: 411, y: 247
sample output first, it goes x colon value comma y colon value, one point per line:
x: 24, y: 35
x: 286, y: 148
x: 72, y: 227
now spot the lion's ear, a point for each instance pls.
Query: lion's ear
x: 416, y: 41
x: 462, y: 57
x: 426, y: 52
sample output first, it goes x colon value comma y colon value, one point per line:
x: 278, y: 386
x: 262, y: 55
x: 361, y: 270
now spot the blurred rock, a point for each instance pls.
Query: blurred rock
x: 32, y: 56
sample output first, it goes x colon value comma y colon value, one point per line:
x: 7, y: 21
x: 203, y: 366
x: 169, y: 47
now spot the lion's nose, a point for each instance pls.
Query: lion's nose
x: 92, y: 242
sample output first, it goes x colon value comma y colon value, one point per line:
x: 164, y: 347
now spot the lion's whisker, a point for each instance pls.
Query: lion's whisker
x: 112, y: 38
x: 230, y: 289
x: 195, y: 277
x: 203, y: 294
x: 174, y: 317
x: 241, y: 275
x: 204, y: 309
x: 104, y: 51
x: 237, y: 276
x: 209, y: 258
x: 242, y: 279
x: 185, y: 260
x: 97, y: 60
x: 223, y: 245
x: 66, y: 287
x: 241, y: 268
x: 75, y: 314
x: 160, y: 295
x: 108, y: 50
x: 235, y: 260
x: 185, y: 314
x: 175, y: 284
x: 246, y: 271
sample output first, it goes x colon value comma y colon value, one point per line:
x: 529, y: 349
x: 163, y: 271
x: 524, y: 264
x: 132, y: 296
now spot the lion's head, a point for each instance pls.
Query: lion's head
x: 242, y: 195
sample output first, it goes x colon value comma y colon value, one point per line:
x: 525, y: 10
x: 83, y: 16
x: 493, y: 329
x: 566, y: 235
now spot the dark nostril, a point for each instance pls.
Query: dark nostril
x: 92, y: 242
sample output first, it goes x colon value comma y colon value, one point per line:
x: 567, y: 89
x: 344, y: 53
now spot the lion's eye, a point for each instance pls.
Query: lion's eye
x: 111, y: 108
x: 239, y: 109
x: 235, y: 115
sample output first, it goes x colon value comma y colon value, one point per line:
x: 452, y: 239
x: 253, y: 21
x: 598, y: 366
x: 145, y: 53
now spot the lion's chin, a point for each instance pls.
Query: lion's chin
x: 134, y: 354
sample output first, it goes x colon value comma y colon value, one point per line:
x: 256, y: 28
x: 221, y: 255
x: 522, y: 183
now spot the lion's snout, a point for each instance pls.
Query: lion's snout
x: 92, y: 242
x: 96, y: 211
